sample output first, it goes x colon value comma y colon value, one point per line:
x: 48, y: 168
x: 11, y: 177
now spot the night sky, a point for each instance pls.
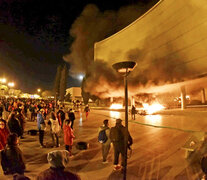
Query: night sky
x: 34, y: 37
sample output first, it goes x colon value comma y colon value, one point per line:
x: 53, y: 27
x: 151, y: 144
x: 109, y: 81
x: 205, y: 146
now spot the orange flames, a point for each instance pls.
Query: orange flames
x: 151, y: 109
x: 148, y: 109
x: 116, y: 106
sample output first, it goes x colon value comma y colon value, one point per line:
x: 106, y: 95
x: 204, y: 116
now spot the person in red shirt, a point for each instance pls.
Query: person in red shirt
x: 4, y: 133
x: 68, y: 136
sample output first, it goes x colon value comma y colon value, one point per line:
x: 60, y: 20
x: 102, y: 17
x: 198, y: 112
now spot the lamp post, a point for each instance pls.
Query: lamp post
x: 125, y: 68
x: 3, y: 80
x: 39, y: 90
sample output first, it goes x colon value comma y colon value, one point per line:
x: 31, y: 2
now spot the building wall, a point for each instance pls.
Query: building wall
x: 75, y: 93
x: 174, y: 30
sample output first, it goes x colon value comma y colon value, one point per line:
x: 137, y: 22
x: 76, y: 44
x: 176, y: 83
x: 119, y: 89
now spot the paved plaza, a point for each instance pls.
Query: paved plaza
x: 157, y: 148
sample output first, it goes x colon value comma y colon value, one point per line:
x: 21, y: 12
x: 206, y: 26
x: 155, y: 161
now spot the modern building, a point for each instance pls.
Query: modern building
x: 169, y: 44
x: 75, y: 93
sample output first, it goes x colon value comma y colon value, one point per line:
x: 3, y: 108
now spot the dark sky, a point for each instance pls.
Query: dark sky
x: 34, y: 36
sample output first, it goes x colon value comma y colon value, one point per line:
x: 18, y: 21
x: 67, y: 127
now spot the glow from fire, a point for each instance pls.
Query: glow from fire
x: 115, y: 114
x: 116, y: 106
x: 154, y: 119
x: 150, y: 109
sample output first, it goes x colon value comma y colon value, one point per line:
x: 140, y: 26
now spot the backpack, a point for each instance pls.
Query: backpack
x: 102, y: 138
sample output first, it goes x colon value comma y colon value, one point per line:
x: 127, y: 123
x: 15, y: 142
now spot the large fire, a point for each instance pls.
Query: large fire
x: 151, y: 109
x: 147, y: 109
x: 116, y: 106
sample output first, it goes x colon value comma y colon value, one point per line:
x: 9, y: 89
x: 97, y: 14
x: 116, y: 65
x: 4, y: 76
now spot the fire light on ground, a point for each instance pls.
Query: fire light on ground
x: 154, y: 119
x: 151, y: 109
x: 116, y: 106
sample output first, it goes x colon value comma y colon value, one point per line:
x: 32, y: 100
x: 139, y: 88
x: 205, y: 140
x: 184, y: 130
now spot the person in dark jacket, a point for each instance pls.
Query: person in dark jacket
x: 1, y: 109
x: 58, y: 160
x: 14, y: 124
x: 21, y: 118
x: 61, y: 116
x: 118, y: 136
x: 32, y: 110
x: 13, y: 158
x: 71, y: 116
x: 133, y: 112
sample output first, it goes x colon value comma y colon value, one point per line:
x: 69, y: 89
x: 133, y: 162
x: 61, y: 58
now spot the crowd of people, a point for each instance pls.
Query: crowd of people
x: 13, y: 118
x: 14, y: 114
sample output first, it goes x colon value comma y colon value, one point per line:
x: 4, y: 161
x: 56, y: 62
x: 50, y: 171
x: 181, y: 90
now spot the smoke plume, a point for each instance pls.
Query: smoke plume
x: 92, y: 26
x: 156, y: 71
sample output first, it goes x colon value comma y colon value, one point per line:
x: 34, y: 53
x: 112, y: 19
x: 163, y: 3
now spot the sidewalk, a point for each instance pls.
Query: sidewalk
x: 157, y: 152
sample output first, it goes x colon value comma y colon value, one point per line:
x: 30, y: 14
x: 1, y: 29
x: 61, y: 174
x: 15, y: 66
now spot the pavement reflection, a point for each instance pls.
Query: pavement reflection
x: 80, y: 119
x: 153, y: 119
x: 115, y: 114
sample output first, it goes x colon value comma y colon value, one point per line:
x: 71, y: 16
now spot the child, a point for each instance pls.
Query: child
x: 68, y: 136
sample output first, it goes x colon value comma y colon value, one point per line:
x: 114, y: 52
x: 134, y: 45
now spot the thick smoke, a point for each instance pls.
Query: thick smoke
x: 102, y: 81
x: 154, y: 73
x: 90, y: 27
x: 161, y: 72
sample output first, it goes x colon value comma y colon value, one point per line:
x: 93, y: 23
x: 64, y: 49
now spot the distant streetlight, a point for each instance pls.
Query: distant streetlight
x: 3, y: 80
x: 11, y: 84
x: 39, y: 90
x: 80, y: 77
x: 125, y: 68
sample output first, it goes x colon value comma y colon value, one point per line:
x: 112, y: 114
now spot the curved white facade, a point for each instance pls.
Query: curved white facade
x: 173, y: 33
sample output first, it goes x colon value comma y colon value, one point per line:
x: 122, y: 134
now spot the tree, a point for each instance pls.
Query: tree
x: 68, y: 97
x: 47, y: 93
x: 57, y: 82
x: 63, y: 82
x: 84, y: 94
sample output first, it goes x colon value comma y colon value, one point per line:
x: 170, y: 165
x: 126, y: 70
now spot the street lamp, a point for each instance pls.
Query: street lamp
x: 3, y: 80
x: 125, y: 68
x: 38, y: 90
x: 11, y: 84
x: 80, y: 77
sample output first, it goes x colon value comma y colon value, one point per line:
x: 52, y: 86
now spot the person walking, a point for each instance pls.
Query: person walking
x: 41, y: 127
x: 87, y: 110
x: 118, y: 136
x: 55, y: 128
x: 107, y: 144
x: 68, y: 136
x: 133, y: 112
x: 13, y: 160
x: 71, y: 116
x: 58, y: 160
